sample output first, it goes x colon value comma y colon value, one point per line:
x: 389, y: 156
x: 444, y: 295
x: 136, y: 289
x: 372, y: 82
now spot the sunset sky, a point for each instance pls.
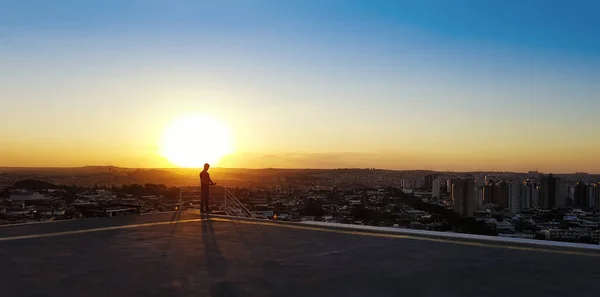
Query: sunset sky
x: 443, y: 85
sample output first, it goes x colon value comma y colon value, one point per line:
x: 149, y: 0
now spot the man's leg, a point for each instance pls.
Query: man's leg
x: 206, y: 195
x: 203, y: 199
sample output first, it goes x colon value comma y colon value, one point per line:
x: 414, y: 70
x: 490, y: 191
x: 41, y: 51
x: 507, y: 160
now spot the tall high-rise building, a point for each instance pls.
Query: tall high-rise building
x: 526, y: 194
x: 553, y: 192
x: 562, y: 193
x: 581, y: 195
x: 535, y: 196
x: 546, y: 191
x: 596, y: 190
x: 463, y: 194
x: 515, y: 195
x: 571, y: 197
x: 428, y: 181
x: 479, y: 197
x: 530, y: 194
x: 435, y: 189
x: 501, y: 194
x: 489, y: 192
x: 591, y: 197
x: 418, y: 182
x: 449, y: 186
x: 586, y: 196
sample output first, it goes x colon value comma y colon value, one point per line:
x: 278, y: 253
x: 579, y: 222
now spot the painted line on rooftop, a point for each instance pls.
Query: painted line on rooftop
x: 300, y: 227
x: 72, y: 220
x: 82, y: 231
x: 412, y: 237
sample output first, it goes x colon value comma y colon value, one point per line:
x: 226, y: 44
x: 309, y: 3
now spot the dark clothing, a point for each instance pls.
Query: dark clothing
x: 205, y: 193
x: 205, y: 183
x: 205, y: 178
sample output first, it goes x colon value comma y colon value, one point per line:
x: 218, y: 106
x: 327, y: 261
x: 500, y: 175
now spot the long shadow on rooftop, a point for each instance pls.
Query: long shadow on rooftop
x: 215, y: 261
x: 176, y: 217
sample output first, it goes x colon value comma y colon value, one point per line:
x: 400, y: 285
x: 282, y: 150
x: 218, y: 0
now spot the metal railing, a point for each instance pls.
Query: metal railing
x: 234, y: 207
x: 189, y: 195
x: 230, y: 204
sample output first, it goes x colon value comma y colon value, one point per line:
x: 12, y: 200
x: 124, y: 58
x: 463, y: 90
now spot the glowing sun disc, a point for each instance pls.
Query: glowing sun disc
x: 192, y: 140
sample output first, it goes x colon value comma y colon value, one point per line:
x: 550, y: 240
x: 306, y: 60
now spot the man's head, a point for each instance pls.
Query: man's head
x: 206, y: 166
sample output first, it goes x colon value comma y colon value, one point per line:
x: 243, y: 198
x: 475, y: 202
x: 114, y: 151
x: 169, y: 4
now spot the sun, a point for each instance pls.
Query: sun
x: 192, y: 140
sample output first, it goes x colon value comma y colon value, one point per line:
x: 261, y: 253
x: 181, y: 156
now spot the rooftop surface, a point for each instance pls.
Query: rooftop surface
x: 184, y: 254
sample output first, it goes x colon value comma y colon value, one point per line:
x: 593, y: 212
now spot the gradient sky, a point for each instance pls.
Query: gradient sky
x: 444, y: 85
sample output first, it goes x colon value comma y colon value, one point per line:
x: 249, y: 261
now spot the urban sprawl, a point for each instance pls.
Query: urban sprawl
x: 524, y: 205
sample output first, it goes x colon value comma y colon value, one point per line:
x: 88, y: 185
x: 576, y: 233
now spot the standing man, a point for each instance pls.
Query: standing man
x: 205, y: 183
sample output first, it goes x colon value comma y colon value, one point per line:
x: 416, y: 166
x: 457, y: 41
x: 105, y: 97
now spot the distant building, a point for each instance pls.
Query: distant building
x: 488, y: 193
x: 562, y: 193
x: 596, y: 190
x: 581, y: 195
x: 22, y: 195
x: 501, y: 194
x: 411, y: 183
x: 479, y: 197
x: 571, y: 198
x: 536, y: 196
x: 547, y: 191
x: 530, y: 195
x: 436, y: 187
x: 515, y: 195
x: 463, y: 194
x: 428, y: 182
x: 586, y: 196
x: 553, y: 192
x: 591, y: 196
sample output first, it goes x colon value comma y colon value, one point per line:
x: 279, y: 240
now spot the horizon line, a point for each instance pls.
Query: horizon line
x: 286, y: 168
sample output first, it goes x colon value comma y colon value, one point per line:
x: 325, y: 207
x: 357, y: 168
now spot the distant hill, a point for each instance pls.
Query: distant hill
x: 31, y: 184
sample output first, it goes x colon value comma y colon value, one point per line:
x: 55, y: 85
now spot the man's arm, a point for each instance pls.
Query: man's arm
x: 212, y: 183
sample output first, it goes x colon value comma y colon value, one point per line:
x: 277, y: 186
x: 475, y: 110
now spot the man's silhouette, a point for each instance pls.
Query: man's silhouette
x: 205, y: 183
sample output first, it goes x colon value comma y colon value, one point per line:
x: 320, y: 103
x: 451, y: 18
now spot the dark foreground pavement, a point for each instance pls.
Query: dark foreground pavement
x: 229, y: 258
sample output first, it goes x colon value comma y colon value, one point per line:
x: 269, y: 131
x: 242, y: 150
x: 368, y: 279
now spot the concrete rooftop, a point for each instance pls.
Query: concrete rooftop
x: 186, y: 255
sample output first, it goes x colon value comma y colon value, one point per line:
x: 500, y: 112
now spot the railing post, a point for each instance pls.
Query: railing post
x: 180, y: 198
x: 235, y: 206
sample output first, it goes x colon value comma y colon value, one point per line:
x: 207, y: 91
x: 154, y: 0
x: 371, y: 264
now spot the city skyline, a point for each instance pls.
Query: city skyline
x: 320, y: 167
x: 431, y: 85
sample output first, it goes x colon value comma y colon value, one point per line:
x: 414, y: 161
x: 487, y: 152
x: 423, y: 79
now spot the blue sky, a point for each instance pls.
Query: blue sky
x: 387, y: 78
x: 561, y: 26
